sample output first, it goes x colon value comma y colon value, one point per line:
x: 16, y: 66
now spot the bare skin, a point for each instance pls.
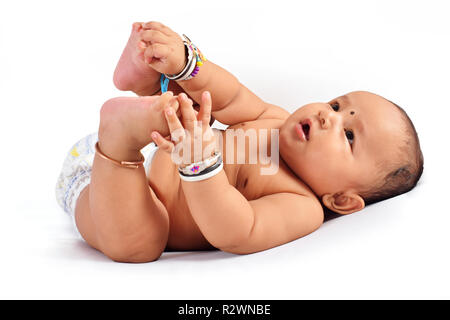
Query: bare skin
x: 168, y: 199
x: 133, y: 218
x: 132, y: 73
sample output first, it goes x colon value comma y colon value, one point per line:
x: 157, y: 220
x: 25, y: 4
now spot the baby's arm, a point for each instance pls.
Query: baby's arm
x: 239, y: 226
x: 233, y: 102
x: 226, y: 218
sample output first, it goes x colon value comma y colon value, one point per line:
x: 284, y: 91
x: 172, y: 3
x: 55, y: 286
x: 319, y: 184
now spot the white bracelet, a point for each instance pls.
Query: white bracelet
x: 198, y: 167
x: 202, y: 176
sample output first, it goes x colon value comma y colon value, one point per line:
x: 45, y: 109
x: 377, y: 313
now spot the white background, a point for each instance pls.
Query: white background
x: 56, y: 65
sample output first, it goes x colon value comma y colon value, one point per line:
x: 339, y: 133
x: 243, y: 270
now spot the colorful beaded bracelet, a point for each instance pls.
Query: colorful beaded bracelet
x: 199, y: 57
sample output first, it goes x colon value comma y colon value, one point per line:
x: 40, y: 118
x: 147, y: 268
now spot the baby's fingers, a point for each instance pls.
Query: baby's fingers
x: 157, y: 26
x: 154, y: 36
x: 156, y: 51
x: 187, y: 111
x: 204, y: 115
x: 175, y: 127
x: 162, y: 143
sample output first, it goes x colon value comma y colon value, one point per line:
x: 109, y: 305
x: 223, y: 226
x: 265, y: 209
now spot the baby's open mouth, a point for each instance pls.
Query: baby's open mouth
x: 305, y: 127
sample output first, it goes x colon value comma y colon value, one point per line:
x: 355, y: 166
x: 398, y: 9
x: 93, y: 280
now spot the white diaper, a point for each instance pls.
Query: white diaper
x: 77, y: 167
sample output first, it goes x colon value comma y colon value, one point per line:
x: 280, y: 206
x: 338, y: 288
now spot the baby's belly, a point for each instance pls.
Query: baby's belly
x: 184, y: 233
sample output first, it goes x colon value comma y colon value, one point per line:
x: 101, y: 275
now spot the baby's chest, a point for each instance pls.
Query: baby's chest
x: 251, y: 157
x: 252, y: 184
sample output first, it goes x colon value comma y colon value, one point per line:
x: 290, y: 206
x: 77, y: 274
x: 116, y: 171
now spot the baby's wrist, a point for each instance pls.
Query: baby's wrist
x: 194, y: 59
x: 202, y: 170
x: 182, y: 60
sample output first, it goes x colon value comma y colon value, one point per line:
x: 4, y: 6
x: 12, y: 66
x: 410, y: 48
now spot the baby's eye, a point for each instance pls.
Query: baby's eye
x: 350, y: 136
x: 335, y: 106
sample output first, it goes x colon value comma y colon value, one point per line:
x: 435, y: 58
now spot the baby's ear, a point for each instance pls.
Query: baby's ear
x: 343, y: 202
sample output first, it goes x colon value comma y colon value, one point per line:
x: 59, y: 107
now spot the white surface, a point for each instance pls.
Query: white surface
x: 56, y: 64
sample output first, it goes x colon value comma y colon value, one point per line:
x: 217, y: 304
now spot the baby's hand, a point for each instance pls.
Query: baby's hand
x: 163, y: 49
x: 193, y: 137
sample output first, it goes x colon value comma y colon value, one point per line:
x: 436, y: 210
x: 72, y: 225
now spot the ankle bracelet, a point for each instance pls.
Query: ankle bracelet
x: 124, y: 164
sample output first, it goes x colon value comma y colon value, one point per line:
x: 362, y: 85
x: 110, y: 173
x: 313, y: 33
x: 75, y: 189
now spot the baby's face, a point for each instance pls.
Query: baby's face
x: 340, y: 145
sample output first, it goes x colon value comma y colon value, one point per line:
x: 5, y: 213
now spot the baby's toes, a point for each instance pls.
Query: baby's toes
x: 140, y: 48
x: 137, y: 26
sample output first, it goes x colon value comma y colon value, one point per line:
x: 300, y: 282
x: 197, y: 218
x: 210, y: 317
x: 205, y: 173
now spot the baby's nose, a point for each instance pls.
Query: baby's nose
x: 328, y: 118
x: 324, y: 119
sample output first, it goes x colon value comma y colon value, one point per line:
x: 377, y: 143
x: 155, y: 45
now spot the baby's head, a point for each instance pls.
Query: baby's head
x: 352, y: 151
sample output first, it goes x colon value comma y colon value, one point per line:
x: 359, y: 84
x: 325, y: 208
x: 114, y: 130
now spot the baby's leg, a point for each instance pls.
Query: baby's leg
x: 133, y: 74
x: 115, y: 210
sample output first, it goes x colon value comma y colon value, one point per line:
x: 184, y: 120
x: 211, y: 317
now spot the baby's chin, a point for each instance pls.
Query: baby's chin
x: 298, y: 164
x: 290, y: 156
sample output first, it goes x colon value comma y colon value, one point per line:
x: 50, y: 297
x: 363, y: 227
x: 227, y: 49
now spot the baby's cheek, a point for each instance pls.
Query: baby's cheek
x: 318, y: 164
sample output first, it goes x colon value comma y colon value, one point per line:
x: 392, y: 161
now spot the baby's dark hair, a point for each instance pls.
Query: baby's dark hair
x: 404, y: 175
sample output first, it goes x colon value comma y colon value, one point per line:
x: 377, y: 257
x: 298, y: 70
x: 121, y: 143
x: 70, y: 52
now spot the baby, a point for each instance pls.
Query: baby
x: 337, y: 156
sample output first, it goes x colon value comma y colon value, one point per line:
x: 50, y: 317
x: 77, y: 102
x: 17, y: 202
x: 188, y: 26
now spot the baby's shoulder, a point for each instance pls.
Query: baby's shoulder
x: 274, y: 112
x: 253, y: 184
x: 270, y: 123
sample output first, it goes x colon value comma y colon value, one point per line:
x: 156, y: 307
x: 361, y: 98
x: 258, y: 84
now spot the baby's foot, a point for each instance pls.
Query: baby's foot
x: 127, y: 122
x: 132, y: 73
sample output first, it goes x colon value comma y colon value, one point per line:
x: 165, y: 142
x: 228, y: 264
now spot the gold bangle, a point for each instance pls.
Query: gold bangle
x: 124, y: 164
